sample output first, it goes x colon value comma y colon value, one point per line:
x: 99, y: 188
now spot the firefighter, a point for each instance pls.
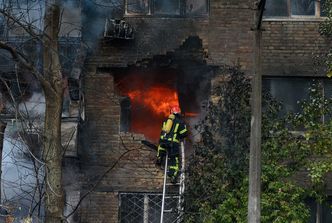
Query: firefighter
x: 173, y: 131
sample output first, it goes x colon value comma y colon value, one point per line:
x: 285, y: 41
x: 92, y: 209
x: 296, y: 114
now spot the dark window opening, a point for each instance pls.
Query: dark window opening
x: 138, y: 6
x: 288, y: 91
x: 294, y: 8
x: 303, y: 7
x: 194, y: 7
x: 323, y: 8
x: 167, y: 7
x: 74, y: 90
x: 276, y: 8
x: 2, y: 26
x: 125, y: 117
x: 321, y: 212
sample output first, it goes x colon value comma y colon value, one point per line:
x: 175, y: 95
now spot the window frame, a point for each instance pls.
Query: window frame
x: 319, y: 79
x: 126, y: 13
x: 151, y: 11
x: 290, y: 16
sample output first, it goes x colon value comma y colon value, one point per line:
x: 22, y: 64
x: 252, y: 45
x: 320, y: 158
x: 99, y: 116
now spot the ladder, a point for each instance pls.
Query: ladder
x: 180, y: 185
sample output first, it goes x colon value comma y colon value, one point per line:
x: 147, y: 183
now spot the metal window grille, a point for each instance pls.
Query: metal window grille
x: 146, y: 208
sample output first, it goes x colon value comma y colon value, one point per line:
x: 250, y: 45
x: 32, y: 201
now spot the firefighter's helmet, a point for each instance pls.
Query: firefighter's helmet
x: 175, y: 110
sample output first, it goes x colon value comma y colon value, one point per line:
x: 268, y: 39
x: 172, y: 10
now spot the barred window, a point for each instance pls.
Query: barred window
x: 146, y: 208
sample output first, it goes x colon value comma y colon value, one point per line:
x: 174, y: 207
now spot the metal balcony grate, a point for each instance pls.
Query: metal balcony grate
x: 146, y: 208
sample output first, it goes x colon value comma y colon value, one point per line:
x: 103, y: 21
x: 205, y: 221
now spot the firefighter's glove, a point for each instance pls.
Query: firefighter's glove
x: 163, y: 134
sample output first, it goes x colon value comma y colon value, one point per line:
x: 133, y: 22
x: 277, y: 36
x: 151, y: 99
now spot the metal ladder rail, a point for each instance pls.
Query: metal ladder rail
x: 164, y: 190
x: 182, y: 185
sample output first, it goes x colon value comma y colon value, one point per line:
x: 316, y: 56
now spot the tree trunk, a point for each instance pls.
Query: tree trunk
x: 53, y: 90
x: 2, y: 135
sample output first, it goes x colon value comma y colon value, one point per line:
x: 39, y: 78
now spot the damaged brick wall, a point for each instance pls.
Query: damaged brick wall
x: 115, y: 161
x: 225, y: 33
x: 227, y: 38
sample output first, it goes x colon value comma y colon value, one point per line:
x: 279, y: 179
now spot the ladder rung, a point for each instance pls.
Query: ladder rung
x: 170, y: 184
x: 175, y: 196
x: 168, y: 211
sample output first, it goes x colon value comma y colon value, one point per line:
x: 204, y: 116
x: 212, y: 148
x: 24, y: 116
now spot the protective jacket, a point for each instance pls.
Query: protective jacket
x: 173, y: 130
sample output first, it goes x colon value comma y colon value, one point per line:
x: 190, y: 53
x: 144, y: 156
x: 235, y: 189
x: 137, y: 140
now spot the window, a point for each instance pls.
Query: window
x: 323, y: 8
x: 2, y: 26
x: 138, y: 6
x: 196, y: 7
x: 167, y: 7
x: 303, y: 7
x: 295, y: 8
x: 125, y: 116
x: 276, y: 8
x: 289, y: 91
x: 144, y: 207
x: 320, y: 212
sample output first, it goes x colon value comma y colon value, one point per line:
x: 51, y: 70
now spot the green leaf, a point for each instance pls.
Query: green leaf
x: 329, y: 74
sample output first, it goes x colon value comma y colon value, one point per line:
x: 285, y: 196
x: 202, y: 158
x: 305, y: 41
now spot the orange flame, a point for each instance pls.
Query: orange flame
x: 157, y: 99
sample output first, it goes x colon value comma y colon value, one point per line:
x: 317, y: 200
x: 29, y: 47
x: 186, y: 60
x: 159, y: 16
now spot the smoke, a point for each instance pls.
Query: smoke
x: 19, y: 176
x: 71, y: 24
x: 28, y: 12
x: 34, y: 106
x: 94, y: 14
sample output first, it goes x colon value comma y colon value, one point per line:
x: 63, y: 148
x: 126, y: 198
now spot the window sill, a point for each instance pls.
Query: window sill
x: 294, y: 19
x: 166, y: 16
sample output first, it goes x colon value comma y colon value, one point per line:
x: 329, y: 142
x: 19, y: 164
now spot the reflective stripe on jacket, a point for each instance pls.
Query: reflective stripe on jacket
x: 177, y: 132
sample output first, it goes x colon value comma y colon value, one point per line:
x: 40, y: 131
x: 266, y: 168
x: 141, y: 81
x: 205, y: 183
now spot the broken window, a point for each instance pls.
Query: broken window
x: 293, y: 8
x: 137, y: 6
x: 144, y: 207
x: 167, y: 7
x: 196, y: 7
